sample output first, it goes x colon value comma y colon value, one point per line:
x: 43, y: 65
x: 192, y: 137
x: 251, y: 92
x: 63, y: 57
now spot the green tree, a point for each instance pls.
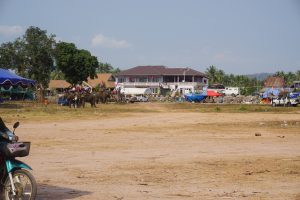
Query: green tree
x: 212, y: 74
x: 13, y: 56
x: 107, y: 68
x: 39, y: 56
x: 280, y: 74
x: 57, y: 74
x: 289, y: 77
x: 297, y: 75
x: 77, y: 65
x: 115, y: 70
x: 247, y: 85
x: 31, y: 56
x: 220, y: 75
x: 104, y: 68
x: 7, y: 56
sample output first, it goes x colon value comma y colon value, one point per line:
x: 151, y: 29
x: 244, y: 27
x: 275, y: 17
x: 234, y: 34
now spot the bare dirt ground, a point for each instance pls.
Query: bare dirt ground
x: 162, y: 155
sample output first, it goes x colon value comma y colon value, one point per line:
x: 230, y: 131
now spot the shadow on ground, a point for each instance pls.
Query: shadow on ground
x: 54, y: 192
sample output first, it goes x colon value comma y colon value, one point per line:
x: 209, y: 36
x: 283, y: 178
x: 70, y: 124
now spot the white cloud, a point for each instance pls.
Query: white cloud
x: 101, y: 40
x: 10, y: 30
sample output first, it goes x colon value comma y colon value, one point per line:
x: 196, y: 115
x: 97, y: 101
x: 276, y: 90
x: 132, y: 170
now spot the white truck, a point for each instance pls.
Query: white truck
x: 285, y: 101
x: 136, y: 94
x: 232, y: 91
x: 136, y: 91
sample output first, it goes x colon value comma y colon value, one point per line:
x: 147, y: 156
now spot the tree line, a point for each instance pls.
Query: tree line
x: 248, y: 85
x: 36, y: 55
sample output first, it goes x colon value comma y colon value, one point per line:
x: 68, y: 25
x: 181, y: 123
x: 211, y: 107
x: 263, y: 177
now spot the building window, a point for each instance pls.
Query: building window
x: 121, y: 80
x: 143, y: 79
x: 188, y: 79
x: 156, y: 79
x: 131, y: 79
x: 170, y: 79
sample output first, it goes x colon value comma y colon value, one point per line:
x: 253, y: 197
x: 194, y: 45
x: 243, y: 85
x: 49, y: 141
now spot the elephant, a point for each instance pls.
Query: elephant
x: 103, y: 96
x: 90, y: 98
x: 73, y: 99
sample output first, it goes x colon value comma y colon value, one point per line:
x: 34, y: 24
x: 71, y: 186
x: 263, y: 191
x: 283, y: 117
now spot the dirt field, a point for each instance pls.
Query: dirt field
x: 165, y: 154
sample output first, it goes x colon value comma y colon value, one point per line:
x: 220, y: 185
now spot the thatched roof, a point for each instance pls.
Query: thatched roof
x: 275, y: 82
x: 55, y: 84
x: 106, y: 78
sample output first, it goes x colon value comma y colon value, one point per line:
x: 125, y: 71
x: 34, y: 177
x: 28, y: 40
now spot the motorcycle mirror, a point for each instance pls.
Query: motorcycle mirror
x: 16, y: 125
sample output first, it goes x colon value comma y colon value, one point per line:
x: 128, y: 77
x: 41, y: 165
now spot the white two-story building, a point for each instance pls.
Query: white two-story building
x: 158, y: 77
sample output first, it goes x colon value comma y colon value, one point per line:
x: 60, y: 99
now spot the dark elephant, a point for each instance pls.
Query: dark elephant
x: 90, y: 98
x: 103, y: 96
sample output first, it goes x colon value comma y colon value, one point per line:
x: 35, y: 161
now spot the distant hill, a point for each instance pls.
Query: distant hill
x: 259, y: 76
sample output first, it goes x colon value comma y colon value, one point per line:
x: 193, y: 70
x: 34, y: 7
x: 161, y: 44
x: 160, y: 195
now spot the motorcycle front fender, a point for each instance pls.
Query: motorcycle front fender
x: 12, y: 165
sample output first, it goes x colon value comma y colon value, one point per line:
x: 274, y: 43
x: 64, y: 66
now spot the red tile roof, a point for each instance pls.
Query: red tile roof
x: 107, y: 78
x: 160, y: 70
x: 274, y: 81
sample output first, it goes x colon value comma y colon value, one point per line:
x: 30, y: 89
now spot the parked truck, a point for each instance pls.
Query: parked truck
x: 136, y: 94
x: 136, y: 91
x: 232, y: 91
x: 285, y: 101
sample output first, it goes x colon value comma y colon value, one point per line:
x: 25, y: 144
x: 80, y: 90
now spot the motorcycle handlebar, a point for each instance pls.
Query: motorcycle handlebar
x: 5, y: 133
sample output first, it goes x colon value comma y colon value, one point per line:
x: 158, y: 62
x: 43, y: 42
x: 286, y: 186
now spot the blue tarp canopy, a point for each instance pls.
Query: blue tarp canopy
x: 294, y: 95
x: 271, y: 92
x: 9, y: 78
x: 195, y: 97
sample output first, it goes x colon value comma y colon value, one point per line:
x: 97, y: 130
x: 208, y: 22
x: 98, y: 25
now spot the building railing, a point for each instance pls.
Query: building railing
x: 146, y: 84
x: 157, y: 84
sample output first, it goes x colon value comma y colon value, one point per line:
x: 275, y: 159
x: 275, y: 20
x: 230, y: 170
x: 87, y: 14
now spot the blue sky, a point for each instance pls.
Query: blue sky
x: 238, y: 36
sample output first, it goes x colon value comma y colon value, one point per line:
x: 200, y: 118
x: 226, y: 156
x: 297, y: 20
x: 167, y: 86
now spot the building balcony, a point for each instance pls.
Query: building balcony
x: 157, y: 84
x: 139, y: 84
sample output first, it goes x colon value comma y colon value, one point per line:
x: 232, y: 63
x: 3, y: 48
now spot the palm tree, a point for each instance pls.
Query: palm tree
x: 212, y: 73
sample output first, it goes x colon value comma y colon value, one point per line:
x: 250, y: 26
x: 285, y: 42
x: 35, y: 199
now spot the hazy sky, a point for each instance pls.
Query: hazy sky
x: 238, y: 36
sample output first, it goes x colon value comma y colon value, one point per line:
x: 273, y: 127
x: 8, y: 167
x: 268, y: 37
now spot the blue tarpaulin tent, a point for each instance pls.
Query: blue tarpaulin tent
x: 294, y: 95
x: 9, y: 78
x: 195, y: 97
x: 271, y: 92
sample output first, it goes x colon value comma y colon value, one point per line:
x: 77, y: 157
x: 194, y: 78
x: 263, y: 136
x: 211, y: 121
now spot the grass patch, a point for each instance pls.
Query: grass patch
x: 243, y: 108
x: 217, y: 109
x: 31, y: 110
x: 227, y: 108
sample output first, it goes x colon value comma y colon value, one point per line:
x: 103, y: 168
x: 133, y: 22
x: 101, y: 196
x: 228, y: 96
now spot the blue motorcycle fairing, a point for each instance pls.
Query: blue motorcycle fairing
x: 16, y: 164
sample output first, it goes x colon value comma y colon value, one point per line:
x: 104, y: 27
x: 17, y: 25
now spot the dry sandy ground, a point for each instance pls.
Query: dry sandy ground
x: 167, y: 156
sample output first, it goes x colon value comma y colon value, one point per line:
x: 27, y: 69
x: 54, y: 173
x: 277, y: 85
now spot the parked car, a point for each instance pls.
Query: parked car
x: 62, y: 101
x: 284, y: 101
x: 142, y: 98
x: 219, y: 88
x: 130, y: 99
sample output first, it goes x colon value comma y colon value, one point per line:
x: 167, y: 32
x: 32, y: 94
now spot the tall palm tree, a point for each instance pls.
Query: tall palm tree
x: 212, y: 74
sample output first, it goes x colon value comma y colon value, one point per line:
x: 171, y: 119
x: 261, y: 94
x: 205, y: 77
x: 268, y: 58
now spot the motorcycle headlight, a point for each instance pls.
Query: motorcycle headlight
x: 11, y: 136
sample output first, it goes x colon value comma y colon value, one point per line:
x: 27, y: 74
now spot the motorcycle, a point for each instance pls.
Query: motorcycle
x: 16, y: 182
